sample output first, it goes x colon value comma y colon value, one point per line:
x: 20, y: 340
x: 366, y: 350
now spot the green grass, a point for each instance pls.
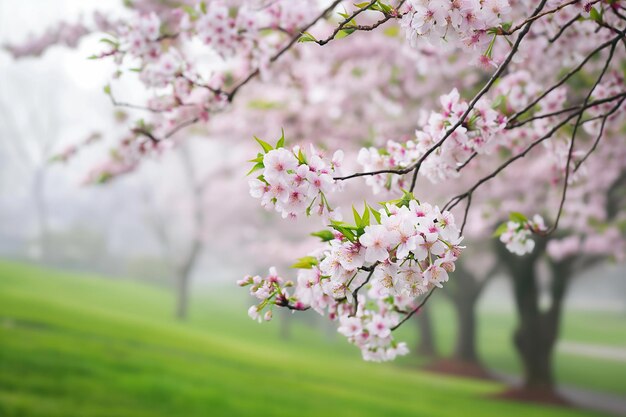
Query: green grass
x: 75, y: 345
x: 495, y: 329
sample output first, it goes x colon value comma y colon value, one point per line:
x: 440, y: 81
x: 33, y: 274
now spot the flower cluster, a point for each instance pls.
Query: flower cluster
x: 516, y: 233
x: 223, y: 32
x: 454, y: 21
x: 370, y: 330
x: 479, y: 133
x: 396, y: 254
x: 611, y: 87
x: 140, y: 38
x: 271, y: 290
x: 292, y: 181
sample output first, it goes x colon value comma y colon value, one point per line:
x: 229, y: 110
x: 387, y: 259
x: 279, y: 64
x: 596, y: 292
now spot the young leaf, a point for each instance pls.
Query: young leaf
x: 306, y: 262
x: 501, y: 229
x: 301, y: 157
x: 376, y: 214
x: 517, y: 217
x: 345, y: 32
x: 366, y: 215
x: 266, y: 146
x: 384, y: 7
x: 259, y: 158
x: 595, y: 15
x: 325, y: 235
x: 281, y: 141
x: 357, y: 218
x: 349, y: 234
x: 256, y: 167
x: 307, y: 37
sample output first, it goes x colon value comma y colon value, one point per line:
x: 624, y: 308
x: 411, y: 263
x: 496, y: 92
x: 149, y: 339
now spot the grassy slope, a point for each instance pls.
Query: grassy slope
x: 495, y: 346
x: 71, y: 346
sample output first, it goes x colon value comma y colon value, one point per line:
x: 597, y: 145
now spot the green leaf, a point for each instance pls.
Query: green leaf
x: 516, y: 217
x: 366, y: 215
x: 203, y: 7
x: 392, y: 31
x: 307, y: 37
x: 189, y: 10
x: 306, y: 262
x: 385, y: 7
x: 344, y: 230
x: 344, y: 15
x: 264, y: 105
x: 281, y: 141
x: 259, y: 158
x: 406, y: 198
x: 104, y: 177
x: 301, y: 157
x: 107, y: 89
x: 110, y: 42
x: 325, y: 235
x: 501, y: 229
x: 361, y: 5
x: 266, y: 146
x: 357, y: 217
x: 344, y: 32
x: 256, y: 167
x: 376, y: 214
x: 595, y: 15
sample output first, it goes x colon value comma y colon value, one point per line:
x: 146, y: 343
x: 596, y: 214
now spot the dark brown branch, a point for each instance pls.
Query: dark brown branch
x: 540, y: 15
x: 416, y: 165
x: 599, y: 136
x: 231, y: 95
x: 566, y: 77
x: 563, y: 29
x: 355, y: 293
x: 460, y: 197
x: 571, y: 147
x: 346, y: 23
x: 284, y: 49
x: 467, y: 161
x: 465, y: 213
x: 559, y: 112
x: 415, y: 310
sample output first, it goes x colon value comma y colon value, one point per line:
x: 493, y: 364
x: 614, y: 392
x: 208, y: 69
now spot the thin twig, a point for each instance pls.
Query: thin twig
x: 415, y: 310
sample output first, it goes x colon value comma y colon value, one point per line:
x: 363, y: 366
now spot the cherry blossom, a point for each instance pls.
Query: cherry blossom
x: 366, y: 256
x: 292, y: 181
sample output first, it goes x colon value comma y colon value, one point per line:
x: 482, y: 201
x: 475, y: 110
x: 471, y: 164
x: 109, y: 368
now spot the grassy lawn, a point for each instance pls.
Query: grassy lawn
x: 74, y: 345
x: 495, y: 346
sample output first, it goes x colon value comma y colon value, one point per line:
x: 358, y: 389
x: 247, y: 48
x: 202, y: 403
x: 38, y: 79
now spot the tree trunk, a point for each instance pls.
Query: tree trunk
x: 182, y: 296
x: 41, y: 213
x: 464, y: 295
x: 465, y: 346
x: 426, y: 345
x: 184, y: 281
x: 537, y: 331
x: 196, y: 191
